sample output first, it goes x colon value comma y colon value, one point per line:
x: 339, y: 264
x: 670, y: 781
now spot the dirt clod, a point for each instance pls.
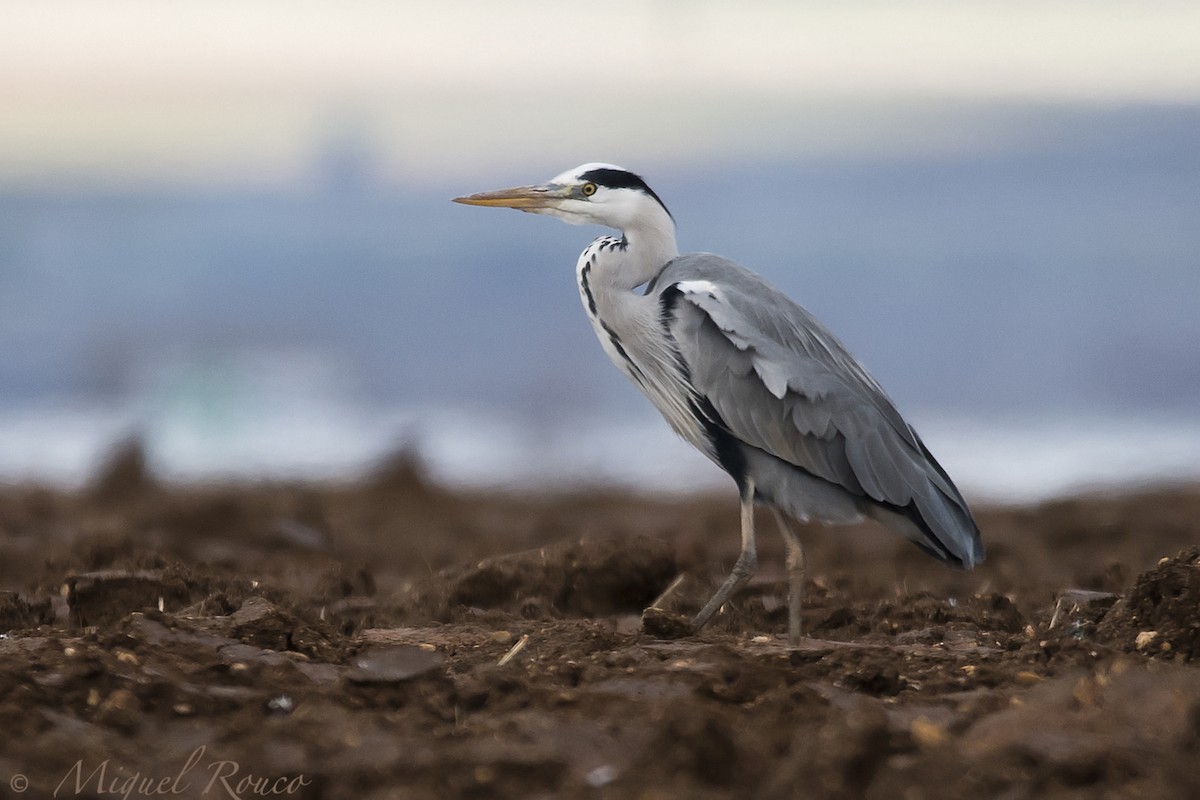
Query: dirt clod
x: 1161, y: 613
x: 602, y: 576
x: 665, y: 625
x: 17, y: 613
x: 99, y: 598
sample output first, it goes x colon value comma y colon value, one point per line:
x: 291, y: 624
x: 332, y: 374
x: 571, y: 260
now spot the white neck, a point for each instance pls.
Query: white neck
x: 628, y: 323
x: 649, y: 245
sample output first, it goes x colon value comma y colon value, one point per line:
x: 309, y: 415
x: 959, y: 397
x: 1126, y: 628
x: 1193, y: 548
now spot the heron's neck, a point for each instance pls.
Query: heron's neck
x: 627, y: 321
x: 640, y: 254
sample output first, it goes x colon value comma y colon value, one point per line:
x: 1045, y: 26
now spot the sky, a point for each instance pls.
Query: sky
x: 250, y: 90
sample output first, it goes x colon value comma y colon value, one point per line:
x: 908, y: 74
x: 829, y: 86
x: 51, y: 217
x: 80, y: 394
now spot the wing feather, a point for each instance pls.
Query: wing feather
x: 785, y: 385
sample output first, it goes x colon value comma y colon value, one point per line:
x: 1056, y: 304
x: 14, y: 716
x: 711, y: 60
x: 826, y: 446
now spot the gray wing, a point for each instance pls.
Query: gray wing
x: 784, y: 386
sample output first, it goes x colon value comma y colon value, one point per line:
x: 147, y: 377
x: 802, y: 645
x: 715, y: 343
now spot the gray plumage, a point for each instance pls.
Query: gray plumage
x: 751, y: 379
x: 823, y: 439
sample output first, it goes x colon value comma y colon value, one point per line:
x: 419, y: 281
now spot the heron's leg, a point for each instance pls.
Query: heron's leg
x: 795, y: 570
x: 747, y: 563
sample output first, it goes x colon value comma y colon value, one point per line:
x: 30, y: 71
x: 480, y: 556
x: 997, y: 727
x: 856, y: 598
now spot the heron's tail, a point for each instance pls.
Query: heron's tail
x: 948, y: 533
x: 937, y: 518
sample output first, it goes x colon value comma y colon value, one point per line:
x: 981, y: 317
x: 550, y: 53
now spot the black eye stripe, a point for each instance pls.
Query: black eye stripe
x: 620, y: 179
x: 615, y: 179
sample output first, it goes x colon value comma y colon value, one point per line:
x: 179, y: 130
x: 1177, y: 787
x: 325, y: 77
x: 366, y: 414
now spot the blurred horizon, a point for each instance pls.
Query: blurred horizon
x: 251, y: 90
x: 226, y: 227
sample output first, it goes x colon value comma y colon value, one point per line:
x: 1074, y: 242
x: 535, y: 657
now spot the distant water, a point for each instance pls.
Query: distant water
x: 999, y: 460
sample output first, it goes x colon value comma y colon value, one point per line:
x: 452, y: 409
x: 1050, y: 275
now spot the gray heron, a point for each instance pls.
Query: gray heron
x: 749, y: 378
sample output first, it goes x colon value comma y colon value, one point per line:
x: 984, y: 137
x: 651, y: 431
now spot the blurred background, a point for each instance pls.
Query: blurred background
x: 225, y: 228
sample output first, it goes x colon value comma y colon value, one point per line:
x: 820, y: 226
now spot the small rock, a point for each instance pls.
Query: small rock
x: 1145, y: 639
x: 501, y: 637
x: 601, y: 776
x: 261, y: 623
x: 927, y: 733
x: 392, y: 664
x: 120, y: 710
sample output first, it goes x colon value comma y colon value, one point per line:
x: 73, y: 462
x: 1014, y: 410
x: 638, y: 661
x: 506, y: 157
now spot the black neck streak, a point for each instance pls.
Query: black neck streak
x: 613, y: 338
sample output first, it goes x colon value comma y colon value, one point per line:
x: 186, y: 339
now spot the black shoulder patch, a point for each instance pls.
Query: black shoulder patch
x: 621, y: 179
x: 667, y: 301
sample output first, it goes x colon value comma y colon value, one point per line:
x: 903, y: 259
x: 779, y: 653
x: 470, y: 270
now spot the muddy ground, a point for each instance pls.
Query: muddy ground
x: 392, y: 639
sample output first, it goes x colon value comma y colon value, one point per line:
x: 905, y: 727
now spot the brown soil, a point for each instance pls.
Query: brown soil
x: 392, y: 639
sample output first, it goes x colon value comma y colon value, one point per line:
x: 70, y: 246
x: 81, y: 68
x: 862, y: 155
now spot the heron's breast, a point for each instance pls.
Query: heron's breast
x: 629, y: 328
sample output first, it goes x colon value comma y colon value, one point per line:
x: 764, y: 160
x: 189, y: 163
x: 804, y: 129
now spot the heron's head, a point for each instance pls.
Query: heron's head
x: 600, y: 194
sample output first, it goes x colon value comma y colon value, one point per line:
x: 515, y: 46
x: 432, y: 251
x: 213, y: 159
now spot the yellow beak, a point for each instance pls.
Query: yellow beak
x: 522, y: 197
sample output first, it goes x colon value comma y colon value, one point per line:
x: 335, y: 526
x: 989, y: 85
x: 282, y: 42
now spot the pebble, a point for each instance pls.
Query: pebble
x: 393, y: 664
x: 927, y: 733
x: 1145, y: 639
x: 120, y: 710
x: 601, y: 776
x: 1027, y: 678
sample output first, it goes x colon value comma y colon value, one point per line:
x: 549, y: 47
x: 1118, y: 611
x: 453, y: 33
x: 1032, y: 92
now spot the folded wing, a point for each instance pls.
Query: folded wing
x: 784, y: 385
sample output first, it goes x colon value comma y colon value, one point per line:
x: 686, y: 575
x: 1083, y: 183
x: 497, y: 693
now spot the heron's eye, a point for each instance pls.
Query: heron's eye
x: 588, y: 189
